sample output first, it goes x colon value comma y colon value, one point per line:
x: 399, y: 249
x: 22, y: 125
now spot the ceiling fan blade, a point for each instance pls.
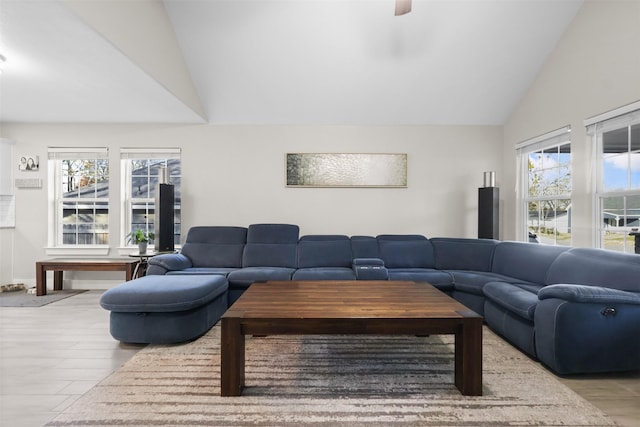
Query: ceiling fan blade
x: 403, y: 7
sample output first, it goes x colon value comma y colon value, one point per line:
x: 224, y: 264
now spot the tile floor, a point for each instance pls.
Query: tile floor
x: 50, y: 356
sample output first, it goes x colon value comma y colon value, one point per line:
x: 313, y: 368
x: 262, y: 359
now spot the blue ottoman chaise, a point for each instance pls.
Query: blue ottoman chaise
x: 165, y: 309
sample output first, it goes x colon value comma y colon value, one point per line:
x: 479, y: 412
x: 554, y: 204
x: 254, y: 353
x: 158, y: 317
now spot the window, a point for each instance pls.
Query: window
x: 142, y: 171
x: 80, y: 196
x: 545, y: 190
x: 617, y: 141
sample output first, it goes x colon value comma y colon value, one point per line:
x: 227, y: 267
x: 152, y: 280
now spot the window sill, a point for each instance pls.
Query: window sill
x: 78, y: 250
x: 133, y: 250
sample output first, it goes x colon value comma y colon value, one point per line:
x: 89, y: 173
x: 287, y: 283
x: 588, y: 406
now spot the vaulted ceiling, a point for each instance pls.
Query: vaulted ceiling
x: 273, y: 61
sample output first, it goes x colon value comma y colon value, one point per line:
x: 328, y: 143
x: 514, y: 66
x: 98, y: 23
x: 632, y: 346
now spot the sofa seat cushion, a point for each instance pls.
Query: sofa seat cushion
x: 260, y: 274
x: 164, y: 293
x: 513, y: 299
x: 324, y: 273
x: 202, y: 271
x: 440, y: 279
x: 473, y: 281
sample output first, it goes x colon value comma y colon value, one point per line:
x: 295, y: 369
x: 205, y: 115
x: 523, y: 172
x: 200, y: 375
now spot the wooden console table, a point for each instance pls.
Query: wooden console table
x: 59, y: 265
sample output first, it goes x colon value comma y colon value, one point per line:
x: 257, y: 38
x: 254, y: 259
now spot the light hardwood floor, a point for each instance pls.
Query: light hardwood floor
x: 50, y: 356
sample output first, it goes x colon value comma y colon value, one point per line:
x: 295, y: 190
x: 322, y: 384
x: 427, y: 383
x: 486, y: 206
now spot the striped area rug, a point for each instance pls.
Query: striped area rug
x: 330, y: 381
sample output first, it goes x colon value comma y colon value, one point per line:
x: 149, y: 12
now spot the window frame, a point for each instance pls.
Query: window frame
x: 618, y: 119
x: 56, y: 201
x: 524, y: 149
x: 127, y: 201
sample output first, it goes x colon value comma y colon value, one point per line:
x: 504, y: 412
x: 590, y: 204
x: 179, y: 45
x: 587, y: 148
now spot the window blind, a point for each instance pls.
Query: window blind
x: 65, y: 153
x: 549, y: 139
x: 614, y: 119
x: 150, y: 153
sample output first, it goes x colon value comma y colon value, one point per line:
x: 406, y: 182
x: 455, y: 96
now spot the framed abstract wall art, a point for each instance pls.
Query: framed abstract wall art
x: 346, y: 170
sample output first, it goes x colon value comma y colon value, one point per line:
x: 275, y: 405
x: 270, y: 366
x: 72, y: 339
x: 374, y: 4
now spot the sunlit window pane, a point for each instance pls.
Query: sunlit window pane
x: 614, y: 240
x: 615, y: 172
x: 619, y: 182
x: 549, y: 184
x: 634, y: 173
x: 551, y: 158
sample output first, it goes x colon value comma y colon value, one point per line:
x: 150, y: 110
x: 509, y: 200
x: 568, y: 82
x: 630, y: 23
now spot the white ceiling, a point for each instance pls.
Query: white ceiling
x: 273, y: 62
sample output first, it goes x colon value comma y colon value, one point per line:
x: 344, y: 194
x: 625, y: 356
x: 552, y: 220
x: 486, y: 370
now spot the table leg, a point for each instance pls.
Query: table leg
x: 41, y: 280
x: 57, y: 280
x: 131, y: 271
x: 231, y: 357
x: 468, y: 357
x: 143, y: 268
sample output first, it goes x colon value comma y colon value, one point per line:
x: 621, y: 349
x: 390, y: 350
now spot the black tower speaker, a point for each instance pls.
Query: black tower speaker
x: 164, y: 218
x: 488, y: 209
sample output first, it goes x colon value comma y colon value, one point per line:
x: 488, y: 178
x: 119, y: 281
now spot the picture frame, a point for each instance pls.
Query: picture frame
x: 29, y: 163
x: 377, y: 170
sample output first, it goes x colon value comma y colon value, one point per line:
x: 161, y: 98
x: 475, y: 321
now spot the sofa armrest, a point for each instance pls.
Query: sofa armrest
x: 588, y: 294
x: 160, y: 264
x: 370, y: 269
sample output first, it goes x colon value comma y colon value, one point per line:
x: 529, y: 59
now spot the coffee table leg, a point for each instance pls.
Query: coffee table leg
x: 468, y: 357
x: 231, y: 357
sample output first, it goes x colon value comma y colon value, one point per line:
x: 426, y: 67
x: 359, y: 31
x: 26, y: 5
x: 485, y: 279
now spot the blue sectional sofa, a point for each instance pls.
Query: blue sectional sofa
x: 577, y: 310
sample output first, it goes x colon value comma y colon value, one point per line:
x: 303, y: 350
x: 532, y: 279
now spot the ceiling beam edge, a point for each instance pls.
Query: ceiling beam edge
x: 142, y: 31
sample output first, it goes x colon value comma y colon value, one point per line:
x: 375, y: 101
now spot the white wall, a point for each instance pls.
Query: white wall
x: 234, y: 175
x: 595, y: 68
x: 6, y: 188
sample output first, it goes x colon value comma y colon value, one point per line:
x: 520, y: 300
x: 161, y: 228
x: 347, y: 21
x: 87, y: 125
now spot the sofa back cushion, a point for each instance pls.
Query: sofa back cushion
x: 463, y: 254
x: 405, y: 251
x: 324, y: 251
x: 525, y: 261
x: 215, y: 246
x: 596, y: 267
x: 364, y: 247
x: 271, y: 245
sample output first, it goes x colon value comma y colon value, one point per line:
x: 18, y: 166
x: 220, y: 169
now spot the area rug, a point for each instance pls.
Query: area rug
x: 330, y: 381
x: 23, y: 299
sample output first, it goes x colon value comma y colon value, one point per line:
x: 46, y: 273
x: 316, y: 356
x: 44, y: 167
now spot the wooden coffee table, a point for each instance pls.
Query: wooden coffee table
x: 349, y: 307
